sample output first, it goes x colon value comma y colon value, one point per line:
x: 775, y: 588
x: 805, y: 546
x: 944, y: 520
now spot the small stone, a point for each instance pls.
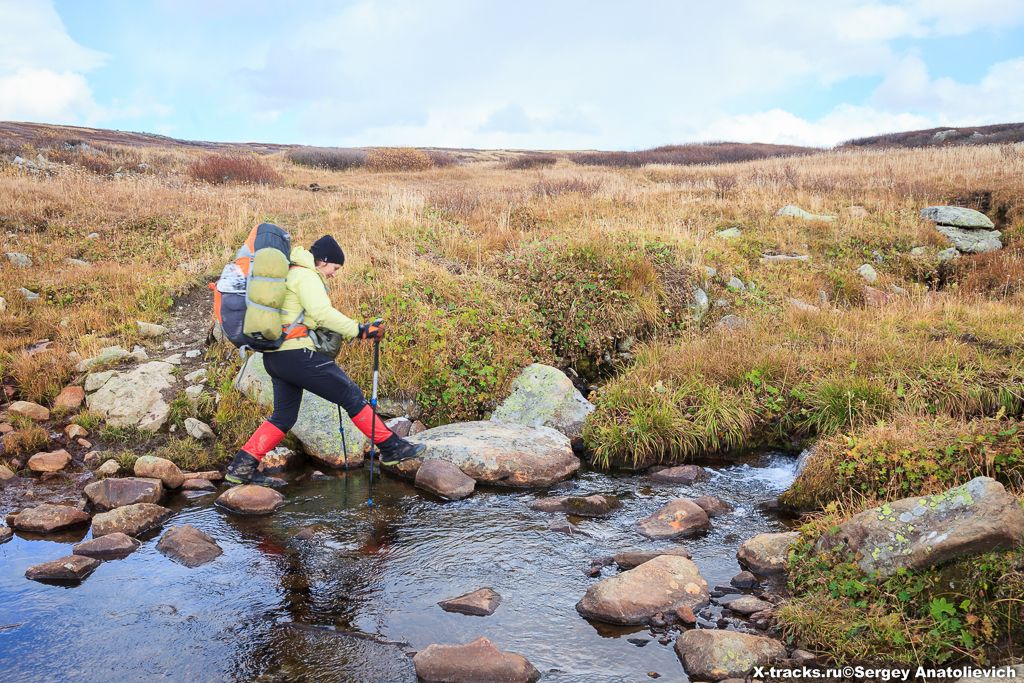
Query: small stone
x: 710, y: 271
x: 54, y: 461
x: 196, y: 376
x: 108, y: 469
x: 947, y: 255
x: 6, y: 428
x: 73, y: 568
x: 280, y: 459
x: 139, y: 354
x: 194, y: 392
x: 919, y: 251
x: 868, y: 272
x: 444, y: 479
x: 198, y: 429
x: 684, y: 613
x: 194, y: 353
x: 728, y: 233
x: 766, y: 554
x: 189, y: 546
x: 874, y: 297
x: 794, y: 211
x: 400, y: 426
x: 417, y: 428
x: 84, y: 443
x: 77, y: 263
x: 732, y: 323
x: 32, y: 411
x: 159, y: 468
x: 479, y: 603
x: 744, y: 580
x: 73, y: 431
x: 174, y: 359
x: 110, y: 547
x: 92, y: 236
x: 19, y: 260
x: 6, y: 534
x: 198, y: 485
x: 251, y: 499
x: 70, y: 398
x: 681, y: 474
x: 713, y: 505
x: 701, y: 303
x: 735, y: 284
x: 748, y: 604
x: 898, y: 291
x: 151, y: 330
x: 679, y: 517
x: 5, y: 473
x: 28, y: 294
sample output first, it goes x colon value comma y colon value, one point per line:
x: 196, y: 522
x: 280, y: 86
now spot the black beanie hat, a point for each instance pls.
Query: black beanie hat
x: 326, y: 249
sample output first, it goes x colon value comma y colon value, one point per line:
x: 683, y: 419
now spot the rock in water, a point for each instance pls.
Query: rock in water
x: 317, y: 426
x: 133, y: 398
x: 72, y: 569
x: 663, y: 584
x: 444, y: 479
x: 677, y: 518
x: 6, y: 534
x: 479, y: 603
x: 766, y: 554
x: 150, y: 466
x: 47, y: 518
x: 957, y: 216
x: 479, y: 661
x: 108, y: 494
x: 713, y: 655
x: 713, y: 505
x: 920, y: 532
x: 748, y: 604
x: 542, y: 396
x: 251, y: 499
x: 110, y: 547
x: 189, y: 546
x: 501, y: 454
x: 969, y: 241
x: 682, y: 474
x: 198, y: 485
x: 54, y: 461
x: 629, y: 560
x: 133, y: 520
x: 589, y: 506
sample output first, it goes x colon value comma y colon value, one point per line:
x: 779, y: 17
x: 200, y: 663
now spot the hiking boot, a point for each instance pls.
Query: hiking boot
x: 396, y: 449
x: 244, y: 469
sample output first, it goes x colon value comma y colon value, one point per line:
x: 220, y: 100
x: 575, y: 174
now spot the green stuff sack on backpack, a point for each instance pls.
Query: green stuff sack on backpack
x: 266, y: 292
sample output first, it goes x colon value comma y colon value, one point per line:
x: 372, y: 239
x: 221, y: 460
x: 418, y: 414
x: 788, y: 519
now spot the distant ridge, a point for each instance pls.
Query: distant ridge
x: 943, y: 137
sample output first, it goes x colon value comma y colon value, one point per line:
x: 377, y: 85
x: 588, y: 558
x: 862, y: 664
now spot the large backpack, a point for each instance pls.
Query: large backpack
x: 248, y: 297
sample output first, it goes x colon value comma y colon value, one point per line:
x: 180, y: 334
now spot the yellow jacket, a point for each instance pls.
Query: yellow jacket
x: 307, y: 291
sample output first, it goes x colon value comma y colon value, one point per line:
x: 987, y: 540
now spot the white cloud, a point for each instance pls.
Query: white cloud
x: 42, y: 95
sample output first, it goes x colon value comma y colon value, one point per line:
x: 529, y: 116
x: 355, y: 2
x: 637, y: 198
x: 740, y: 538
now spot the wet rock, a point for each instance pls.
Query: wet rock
x: 582, y: 506
x: 501, y: 454
x: 54, y: 461
x: 211, y: 475
x: 133, y: 520
x: 150, y: 466
x: 106, y: 356
x: 251, y: 499
x: 748, y: 604
x: 629, y: 560
x: 766, y: 554
x: 108, y: 469
x: 444, y: 479
x: 681, y: 474
x: 480, y: 603
x: 972, y: 241
x: 399, y: 425
x: 6, y: 534
x: 189, y: 546
x: 685, y: 615
x: 714, y: 655
x: 32, y: 411
x: 543, y: 396
x: 110, y: 547
x: 319, y: 476
x: 198, y: 485
x: 923, y: 531
x: 198, y: 429
x: 114, y: 493
x: 317, y: 425
x: 793, y: 211
x: 562, y: 525
x: 151, y: 330
x: 661, y: 585
x: 958, y: 216
x: 744, y: 579
x: 134, y: 398
x: 478, y: 661
x: 713, y: 505
x: 677, y: 518
x: 71, y: 569
x: 73, y: 431
x: 69, y: 398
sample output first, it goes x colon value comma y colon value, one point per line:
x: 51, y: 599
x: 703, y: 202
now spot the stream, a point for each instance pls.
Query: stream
x: 281, y: 607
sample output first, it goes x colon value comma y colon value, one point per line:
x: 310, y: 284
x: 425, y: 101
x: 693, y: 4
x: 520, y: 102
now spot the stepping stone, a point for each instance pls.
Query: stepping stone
x: 444, y: 479
x: 479, y: 660
x: 54, y: 461
x: 682, y: 474
x: 110, y: 493
x: 133, y: 520
x: 47, y: 518
x: 189, y: 546
x: 748, y: 604
x: 656, y: 587
x: 677, y: 518
x: 110, y: 547
x: 163, y: 469
x: 714, y: 655
x: 629, y: 560
x: 479, y: 603
x: 71, y: 569
x: 589, y: 506
x: 251, y: 499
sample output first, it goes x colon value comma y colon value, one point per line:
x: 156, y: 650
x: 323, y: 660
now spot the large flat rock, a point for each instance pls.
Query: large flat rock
x: 134, y: 398
x: 132, y: 520
x: 113, y: 546
x: 110, y: 493
x: 189, y: 546
x: 47, y: 518
x: 474, y: 662
x: 70, y: 569
x: 959, y: 216
x: 250, y: 499
x: 714, y: 655
x: 502, y: 454
x: 662, y: 584
x: 317, y: 425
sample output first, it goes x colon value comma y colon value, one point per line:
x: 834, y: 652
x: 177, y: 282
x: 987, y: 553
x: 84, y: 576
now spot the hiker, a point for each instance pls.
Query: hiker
x: 296, y: 366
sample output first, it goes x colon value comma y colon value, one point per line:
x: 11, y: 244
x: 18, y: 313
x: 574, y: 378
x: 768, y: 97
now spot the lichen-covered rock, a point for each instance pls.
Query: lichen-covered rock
x: 923, y: 531
x: 132, y: 520
x: 766, y: 554
x: 500, y: 453
x: 134, y: 398
x: 474, y: 662
x: 317, y: 425
x: 793, y: 211
x: 677, y: 518
x: 32, y: 411
x: 542, y: 396
x: 662, y: 584
x: 969, y: 241
x: 714, y: 655
x: 153, y: 467
x: 959, y: 216
x: 583, y: 506
x: 251, y: 499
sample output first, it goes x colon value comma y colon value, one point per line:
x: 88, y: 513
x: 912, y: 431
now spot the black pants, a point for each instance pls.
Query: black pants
x: 302, y: 369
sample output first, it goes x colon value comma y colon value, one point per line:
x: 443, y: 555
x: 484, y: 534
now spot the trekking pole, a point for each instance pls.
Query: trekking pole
x: 373, y: 407
x: 344, y: 451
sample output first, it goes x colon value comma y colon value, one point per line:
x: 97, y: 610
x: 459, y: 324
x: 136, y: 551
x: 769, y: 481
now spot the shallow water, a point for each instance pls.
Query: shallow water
x: 277, y: 608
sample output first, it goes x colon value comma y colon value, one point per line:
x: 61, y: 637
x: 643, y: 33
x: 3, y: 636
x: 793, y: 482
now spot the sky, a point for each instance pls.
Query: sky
x: 550, y: 74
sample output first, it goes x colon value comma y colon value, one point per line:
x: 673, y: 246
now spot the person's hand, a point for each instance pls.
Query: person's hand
x: 372, y: 330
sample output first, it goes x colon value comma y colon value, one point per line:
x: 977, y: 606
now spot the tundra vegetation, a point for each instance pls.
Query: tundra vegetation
x: 483, y: 262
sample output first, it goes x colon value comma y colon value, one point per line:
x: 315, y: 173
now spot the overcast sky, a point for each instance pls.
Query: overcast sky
x: 540, y: 75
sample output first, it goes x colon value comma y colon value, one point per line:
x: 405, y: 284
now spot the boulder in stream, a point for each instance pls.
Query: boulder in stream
x: 681, y: 474
x: 634, y: 597
x: 110, y: 547
x: 189, y: 546
x: 596, y: 505
x: 677, y: 518
x: 444, y: 479
x: 477, y: 661
x: 631, y: 559
x: 48, y: 518
x: 110, y: 493
x: 480, y: 603
x: 70, y: 569
x: 714, y: 655
x: 766, y: 554
x: 251, y: 499
x: 133, y: 520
